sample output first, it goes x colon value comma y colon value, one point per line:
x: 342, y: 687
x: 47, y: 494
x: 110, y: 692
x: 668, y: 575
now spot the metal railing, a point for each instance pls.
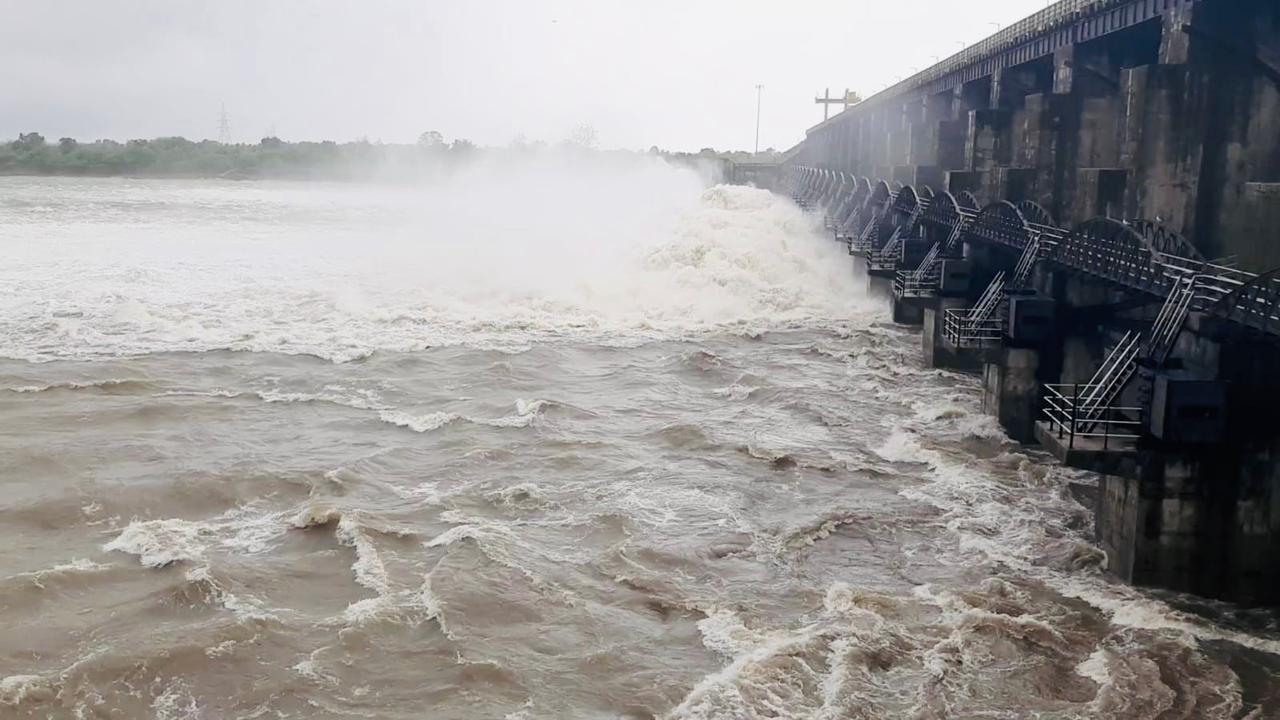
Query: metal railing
x: 924, y: 280
x: 1070, y: 416
x: 964, y: 331
x: 1056, y: 15
x: 833, y: 220
x: 917, y: 283
x: 886, y: 258
x: 844, y: 231
x: 952, y: 243
x: 980, y: 324
x: 1027, y: 263
x: 1111, y: 378
x: 865, y: 242
x: 1173, y: 316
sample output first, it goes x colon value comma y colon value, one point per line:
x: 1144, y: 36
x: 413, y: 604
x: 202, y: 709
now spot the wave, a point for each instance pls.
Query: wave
x: 110, y: 385
x: 163, y: 542
x: 202, y: 582
x: 74, y: 569
x: 526, y: 414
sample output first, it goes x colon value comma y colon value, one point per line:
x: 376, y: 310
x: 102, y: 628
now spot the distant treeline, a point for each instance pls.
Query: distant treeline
x: 32, y: 154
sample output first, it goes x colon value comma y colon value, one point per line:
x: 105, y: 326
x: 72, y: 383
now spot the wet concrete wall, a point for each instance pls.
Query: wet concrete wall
x: 1165, y: 110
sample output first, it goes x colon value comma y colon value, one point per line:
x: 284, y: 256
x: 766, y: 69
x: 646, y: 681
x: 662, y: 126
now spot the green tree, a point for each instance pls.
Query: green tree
x: 28, y: 142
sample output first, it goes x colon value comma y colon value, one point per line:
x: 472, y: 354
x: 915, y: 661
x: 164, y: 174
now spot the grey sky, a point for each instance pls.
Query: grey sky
x: 680, y: 75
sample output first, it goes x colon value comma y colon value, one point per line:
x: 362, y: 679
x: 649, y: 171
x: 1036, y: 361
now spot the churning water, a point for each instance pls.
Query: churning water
x: 557, y: 440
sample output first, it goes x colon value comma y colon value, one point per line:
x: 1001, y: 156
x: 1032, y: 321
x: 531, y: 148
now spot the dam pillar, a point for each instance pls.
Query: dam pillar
x: 1198, y: 521
x: 1029, y: 355
x: 1011, y: 390
x: 1200, y: 511
x: 926, y: 122
x: 938, y: 353
x: 949, y: 134
x: 879, y: 287
x: 906, y: 311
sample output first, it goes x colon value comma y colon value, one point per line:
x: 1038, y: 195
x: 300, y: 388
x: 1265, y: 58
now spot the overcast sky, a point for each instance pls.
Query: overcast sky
x: 679, y: 74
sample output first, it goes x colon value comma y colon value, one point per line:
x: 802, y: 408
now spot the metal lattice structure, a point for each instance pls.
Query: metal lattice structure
x: 849, y: 226
x: 943, y: 211
x: 1034, y: 214
x: 906, y: 201
x: 1139, y: 255
x: 1002, y: 224
x: 1254, y: 305
x: 1113, y: 251
x: 1166, y: 241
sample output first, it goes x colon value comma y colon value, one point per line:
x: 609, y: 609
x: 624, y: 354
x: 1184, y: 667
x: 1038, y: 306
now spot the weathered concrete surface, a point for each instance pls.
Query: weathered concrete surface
x: 1108, y: 456
x: 1011, y: 391
x: 906, y: 311
x: 1166, y: 111
x: 879, y: 287
x: 937, y: 352
x: 1202, y: 523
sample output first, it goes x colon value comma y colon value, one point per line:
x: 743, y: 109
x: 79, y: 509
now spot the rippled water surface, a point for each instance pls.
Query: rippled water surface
x: 550, y: 442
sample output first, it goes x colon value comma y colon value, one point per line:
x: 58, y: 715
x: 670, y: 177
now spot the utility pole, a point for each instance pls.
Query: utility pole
x: 850, y: 98
x: 759, y: 97
x: 224, y: 126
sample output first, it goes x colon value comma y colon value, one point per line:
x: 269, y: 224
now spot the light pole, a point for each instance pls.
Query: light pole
x: 759, y: 96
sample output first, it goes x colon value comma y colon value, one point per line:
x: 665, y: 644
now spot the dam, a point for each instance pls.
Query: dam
x: 1084, y: 210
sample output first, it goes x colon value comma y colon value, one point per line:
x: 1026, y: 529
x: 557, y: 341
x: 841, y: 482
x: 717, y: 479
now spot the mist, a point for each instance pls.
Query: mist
x: 508, y: 248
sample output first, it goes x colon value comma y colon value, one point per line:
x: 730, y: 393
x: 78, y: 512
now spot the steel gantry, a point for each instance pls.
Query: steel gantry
x: 1137, y: 255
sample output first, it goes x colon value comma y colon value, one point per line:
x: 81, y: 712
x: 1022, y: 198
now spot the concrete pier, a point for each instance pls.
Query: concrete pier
x: 938, y: 353
x: 1011, y: 390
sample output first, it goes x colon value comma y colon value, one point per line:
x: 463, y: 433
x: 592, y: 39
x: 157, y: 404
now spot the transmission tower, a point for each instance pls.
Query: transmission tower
x: 224, y: 126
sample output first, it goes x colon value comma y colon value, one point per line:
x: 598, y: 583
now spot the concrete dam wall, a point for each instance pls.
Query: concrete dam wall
x: 1163, y: 110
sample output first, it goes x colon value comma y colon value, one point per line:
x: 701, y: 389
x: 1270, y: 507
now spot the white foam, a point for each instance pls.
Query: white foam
x: 335, y: 395
x: 736, y: 391
x: 526, y: 414
x: 418, y: 423
x: 242, y: 530
x: 616, y: 253
x: 176, y: 703
x: 16, y: 689
x: 244, y: 607
x: 368, y: 567
x: 1008, y: 525
x: 1095, y: 667
x: 160, y: 542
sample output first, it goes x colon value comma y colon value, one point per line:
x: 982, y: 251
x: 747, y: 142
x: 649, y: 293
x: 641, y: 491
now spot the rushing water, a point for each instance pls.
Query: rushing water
x: 546, y: 442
